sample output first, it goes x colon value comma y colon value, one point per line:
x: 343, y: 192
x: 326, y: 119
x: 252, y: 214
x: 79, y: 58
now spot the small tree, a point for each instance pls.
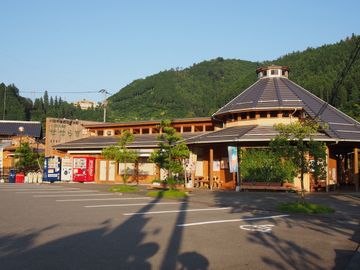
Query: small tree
x: 295, y: 142
x: 27, y: 159
x: 120, y: 153
x: 172, y: 150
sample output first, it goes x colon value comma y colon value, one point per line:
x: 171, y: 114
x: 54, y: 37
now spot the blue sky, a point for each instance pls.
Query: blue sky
x: 83, y: 46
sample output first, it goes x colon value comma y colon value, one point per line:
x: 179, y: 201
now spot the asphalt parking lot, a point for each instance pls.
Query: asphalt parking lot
x: 74, y: 226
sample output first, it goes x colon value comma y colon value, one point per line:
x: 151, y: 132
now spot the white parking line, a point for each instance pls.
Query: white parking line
x: 38, y: 189
x: 129, y: 204
x: 57, y: 191
x: 103, y: 199
x: 177, y: 211
x: 71, y: 195
x: 229, y: 220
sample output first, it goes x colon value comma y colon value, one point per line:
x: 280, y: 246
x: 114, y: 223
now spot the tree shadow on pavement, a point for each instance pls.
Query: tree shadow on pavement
x: 304, y: 241
x: 123, y: 247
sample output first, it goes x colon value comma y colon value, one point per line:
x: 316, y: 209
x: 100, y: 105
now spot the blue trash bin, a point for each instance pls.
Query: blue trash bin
x: 12, y: 176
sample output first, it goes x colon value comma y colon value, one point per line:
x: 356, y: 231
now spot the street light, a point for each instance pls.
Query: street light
x: 105, y: 102
x: 21, y: 131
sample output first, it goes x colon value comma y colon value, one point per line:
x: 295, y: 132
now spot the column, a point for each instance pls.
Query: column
x: 327, y: 169
x: 356, y: 168
x: 211, y: 160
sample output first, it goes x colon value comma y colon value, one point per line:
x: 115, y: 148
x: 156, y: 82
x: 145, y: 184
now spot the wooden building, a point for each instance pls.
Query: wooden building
x: 246, y: 121
x: 12, y: 134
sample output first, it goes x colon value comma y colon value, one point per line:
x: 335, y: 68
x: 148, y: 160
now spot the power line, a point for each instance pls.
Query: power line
x: 351, y: 60
x: 61, y: 92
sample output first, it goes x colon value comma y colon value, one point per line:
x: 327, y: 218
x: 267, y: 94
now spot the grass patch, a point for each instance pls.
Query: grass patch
x: 124, y: 189
x: 169, y: 194
x: 307, y: 208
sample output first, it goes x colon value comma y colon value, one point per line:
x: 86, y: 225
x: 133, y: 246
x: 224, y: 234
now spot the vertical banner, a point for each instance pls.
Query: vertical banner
x: 233, y: 159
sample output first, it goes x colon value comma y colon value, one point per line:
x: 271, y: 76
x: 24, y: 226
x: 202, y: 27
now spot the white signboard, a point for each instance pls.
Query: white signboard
x: 216, y: 165
x: 102, y: 170
x: 199, y: 168
x: 66, y: 169
x: 146, y: 168
x: 130, y: 168
x: 111, y: 171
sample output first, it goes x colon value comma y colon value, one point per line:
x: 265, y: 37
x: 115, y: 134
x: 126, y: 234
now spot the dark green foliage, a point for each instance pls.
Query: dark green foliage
x: 17, y: 107
x: 120, y: 152
x: 295, y: 143
x: 304, y: 207
x: 124, y: 188
x: 196, y: 91
x: 168, y: 194
x: 27, y: 159
x: 263, y: 165
x: 20, y: 108
x: 171, y: 151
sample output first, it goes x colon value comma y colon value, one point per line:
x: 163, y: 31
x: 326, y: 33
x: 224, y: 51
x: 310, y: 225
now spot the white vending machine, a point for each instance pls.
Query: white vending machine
x: 66, y: 169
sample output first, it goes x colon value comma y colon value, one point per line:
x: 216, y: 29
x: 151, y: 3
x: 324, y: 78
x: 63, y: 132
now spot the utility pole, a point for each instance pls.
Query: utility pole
x: 105, y: 102
x: 4, y: 111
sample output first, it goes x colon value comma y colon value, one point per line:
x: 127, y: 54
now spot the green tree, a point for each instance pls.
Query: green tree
x: 295, y: 142
x: 27, y: 159
x: 172, y: 150
x: 120, y: 153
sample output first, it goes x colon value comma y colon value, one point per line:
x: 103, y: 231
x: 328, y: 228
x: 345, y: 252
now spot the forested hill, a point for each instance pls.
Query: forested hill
x: 203, y: 88
x: 20, y: 108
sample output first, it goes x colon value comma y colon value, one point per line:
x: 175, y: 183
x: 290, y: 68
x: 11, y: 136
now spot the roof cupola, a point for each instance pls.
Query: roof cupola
x: 272, y: 71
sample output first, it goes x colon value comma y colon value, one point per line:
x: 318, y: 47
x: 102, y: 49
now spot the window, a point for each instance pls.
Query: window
x: 263, y: 114
x: 145, y: 131
x: 243, y: 116
x: 252, y: 115
x: 285, y: 113
x: 209, y: 128
x: 198, y: 128
x: 136, y: 131
x: 155, y: 130
x: 186, y: 129
x: 100, y: 133
x: 108, y: 133
x: 273, y: 114
x: 178, y: 129
x: 283, y: 72
x: 274, y: 72
x: 117, y: 132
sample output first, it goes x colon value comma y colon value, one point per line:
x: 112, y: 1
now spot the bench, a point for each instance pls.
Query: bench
x: 267, y: 186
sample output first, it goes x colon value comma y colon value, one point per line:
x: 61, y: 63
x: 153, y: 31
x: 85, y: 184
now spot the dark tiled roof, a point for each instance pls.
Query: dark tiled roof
x: 281, y: 93
x: 11, y: 128
x: 249, y: 133
x: 99, y: 142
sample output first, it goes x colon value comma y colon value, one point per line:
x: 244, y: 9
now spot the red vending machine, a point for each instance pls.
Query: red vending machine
x: 84, y: 169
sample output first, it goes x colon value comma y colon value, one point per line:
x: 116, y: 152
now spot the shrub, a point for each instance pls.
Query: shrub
x: 265, y: 166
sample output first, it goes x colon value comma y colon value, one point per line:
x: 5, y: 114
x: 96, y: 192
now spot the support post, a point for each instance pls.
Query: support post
x: 211, y: 160
x: 327, y: 169
x: 356, y: 169
x: 238, y: 179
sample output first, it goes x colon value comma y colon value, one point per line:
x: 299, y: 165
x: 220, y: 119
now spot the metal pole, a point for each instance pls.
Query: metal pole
x: 103, y: 91
x: 4, y: 103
